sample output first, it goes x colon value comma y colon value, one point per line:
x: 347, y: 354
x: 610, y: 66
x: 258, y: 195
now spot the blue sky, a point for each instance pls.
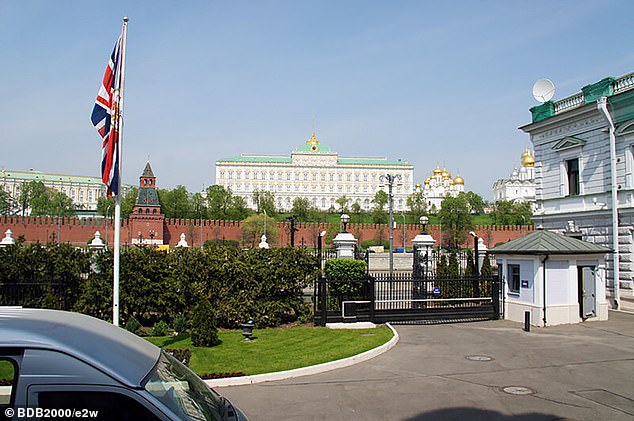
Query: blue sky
x: 432, y: 82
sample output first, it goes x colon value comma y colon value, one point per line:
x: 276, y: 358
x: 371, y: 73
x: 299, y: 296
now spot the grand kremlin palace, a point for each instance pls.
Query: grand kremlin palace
x: 314, y: 172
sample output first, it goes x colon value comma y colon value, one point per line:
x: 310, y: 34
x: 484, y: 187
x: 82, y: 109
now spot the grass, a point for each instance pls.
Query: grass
x: 6, y: 370
x: 276, y: 349
x: 366, y: 218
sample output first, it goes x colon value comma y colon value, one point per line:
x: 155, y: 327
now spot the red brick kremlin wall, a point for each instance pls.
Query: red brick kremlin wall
x: 80, y: 231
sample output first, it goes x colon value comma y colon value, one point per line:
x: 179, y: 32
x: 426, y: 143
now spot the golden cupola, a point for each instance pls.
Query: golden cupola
x: 446, y: 175
x: 313, y: 142
x: 458, y: 180
x: 528, y: 160
x: 427, y: 181
x: 437, y: 171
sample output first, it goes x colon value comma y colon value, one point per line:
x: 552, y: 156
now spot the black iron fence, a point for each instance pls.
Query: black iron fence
x: 34, y: 295
x: 403, y: 297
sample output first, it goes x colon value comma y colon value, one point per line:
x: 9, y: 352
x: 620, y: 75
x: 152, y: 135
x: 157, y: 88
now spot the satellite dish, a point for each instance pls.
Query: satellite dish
x: 543, y: 90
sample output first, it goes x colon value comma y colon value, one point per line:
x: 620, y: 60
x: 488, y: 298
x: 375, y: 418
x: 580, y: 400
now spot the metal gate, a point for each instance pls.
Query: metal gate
x: 407, y: 298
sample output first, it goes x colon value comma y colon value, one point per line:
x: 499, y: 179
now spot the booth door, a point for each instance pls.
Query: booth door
x: 587, y: 289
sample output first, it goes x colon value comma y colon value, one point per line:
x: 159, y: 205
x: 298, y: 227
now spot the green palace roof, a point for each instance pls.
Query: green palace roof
x: 51, y: 178
x: 313, y: 147
x: 548, y: 242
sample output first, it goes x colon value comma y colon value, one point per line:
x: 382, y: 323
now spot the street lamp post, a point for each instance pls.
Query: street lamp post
x: 389, y: 180
x: 345, y: 218
x: 423, y: 221
x: 403, y: 215
x: 476, y: 264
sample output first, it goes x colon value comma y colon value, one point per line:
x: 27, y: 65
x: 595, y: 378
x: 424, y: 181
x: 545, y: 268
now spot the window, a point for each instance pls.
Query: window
x: 513, y: 275
x: 7, y: 377
x: 572, y: 169
x: 107, y: 405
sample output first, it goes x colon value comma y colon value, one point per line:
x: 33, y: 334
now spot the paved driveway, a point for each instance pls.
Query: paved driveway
x: 461, y: 371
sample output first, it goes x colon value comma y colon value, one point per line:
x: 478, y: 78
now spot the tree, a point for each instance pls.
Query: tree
x: 502, y: 213
x: 5, y: 203
x: 253, y: 228
x: 238, y: 209
x: 417, y: 204
x: 379, y: 216
x: 301, y: 209
x: 356, y: 210
x: 199, y: 206
x: 45, y: 201
x: 175, y: 203
x: 264, y: 201
x: 455, y: 218
x: 380, y: 199
x: 219, y: 200
x: 343, y: 201
x: 509, y: 213
x: 475, y: 201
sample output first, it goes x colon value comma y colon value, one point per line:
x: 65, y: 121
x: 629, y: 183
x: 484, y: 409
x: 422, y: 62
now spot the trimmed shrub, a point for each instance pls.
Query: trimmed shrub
x: 203, y: 330
x: 179, y: 324
x: 132, y: 325
x: 345, y: 269
x: 159, y: 329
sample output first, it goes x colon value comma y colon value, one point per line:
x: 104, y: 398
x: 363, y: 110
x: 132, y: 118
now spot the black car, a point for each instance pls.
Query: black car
x: 62, y: 365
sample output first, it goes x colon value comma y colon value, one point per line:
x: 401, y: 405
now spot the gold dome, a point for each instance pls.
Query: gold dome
x: 417, y: 186
x: 437, y: 171
x: 428, y: 180
x: 458, y: 180
x: 445, y: 174
x: 313, y: 140
x: 528, y: 160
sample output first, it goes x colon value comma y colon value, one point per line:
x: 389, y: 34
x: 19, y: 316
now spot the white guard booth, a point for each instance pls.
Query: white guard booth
x: 556, y: 278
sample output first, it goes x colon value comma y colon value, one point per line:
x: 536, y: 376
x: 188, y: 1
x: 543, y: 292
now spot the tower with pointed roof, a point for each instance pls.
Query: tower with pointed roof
x: 146, y: 220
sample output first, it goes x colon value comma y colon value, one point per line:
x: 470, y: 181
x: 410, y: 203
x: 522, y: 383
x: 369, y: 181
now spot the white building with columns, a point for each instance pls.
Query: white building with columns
x: 315, y: 172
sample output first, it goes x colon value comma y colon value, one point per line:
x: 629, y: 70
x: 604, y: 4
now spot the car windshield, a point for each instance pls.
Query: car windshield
x: 183, y: 392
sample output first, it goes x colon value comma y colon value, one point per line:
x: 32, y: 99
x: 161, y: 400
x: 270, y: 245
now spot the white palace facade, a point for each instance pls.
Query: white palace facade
x: 316, y: 173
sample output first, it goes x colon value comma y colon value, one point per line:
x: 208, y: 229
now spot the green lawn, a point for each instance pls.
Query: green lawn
x: 276, y: 349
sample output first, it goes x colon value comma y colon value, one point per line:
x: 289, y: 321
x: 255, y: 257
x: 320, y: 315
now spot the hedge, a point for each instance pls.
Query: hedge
x: 264, y: 285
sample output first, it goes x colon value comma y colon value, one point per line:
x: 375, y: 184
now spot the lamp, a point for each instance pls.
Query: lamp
x: 423, y: 221
x: 247, y: 330
x: 345, y: 218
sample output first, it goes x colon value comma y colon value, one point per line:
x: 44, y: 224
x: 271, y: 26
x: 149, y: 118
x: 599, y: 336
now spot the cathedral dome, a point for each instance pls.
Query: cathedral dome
x: 458, y: 180
x: 427, y: 180
x: 445, y: 174
x: 528, y: 160
x: 437, y: 171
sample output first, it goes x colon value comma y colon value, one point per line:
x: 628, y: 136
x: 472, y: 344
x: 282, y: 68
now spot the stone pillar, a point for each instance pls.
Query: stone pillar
x: 8, y: 238
x: 182, y: 242
x: 97, y: 243
x: 345, y: 243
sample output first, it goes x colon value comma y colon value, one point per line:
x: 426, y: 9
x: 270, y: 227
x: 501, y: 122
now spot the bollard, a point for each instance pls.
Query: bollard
x: 527, y: 321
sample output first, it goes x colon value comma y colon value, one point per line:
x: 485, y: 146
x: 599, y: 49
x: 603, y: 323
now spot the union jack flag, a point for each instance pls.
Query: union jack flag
x: 105, y: 118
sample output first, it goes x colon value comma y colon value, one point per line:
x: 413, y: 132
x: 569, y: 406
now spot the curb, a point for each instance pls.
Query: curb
x: 305, y: 371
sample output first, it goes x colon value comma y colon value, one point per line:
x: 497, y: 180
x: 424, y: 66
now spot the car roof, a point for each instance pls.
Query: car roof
x: 117, y: 352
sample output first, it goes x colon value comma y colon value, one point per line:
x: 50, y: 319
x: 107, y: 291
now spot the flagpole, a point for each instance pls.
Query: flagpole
x: 117, y: 207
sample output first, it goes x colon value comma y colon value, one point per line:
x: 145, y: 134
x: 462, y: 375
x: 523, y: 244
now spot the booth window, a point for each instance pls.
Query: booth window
x: 513, y: 274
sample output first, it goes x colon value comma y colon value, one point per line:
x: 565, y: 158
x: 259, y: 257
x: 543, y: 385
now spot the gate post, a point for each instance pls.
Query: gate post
x: 372, y: 298
x: 495, y: 296
x: 322, y: 300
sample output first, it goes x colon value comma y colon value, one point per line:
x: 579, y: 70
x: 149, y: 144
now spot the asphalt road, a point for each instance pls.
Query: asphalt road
x: 471, y: 371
